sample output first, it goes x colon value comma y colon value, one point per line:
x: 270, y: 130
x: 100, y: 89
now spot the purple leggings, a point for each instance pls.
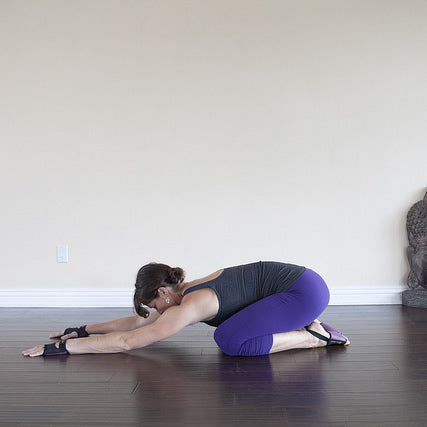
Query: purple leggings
x: 250, y: 331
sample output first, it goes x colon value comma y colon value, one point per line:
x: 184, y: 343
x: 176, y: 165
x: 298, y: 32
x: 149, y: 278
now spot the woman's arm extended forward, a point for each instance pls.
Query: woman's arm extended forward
x: 120, y: 325
x: 117, y: 325
x: 169, y: 323
x: 166, y: 325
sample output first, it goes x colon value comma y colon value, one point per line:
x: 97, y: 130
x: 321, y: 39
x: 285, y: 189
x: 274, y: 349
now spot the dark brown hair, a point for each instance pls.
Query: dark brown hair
x: 149, y: 279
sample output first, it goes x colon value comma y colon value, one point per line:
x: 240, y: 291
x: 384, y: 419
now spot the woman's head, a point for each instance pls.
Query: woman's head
x: 150, y: 278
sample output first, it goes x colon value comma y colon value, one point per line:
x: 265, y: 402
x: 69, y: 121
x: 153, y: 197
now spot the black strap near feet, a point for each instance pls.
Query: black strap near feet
x: 317, y: 335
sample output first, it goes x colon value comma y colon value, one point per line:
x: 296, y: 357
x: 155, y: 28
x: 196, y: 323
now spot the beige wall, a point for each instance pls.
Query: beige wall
x: 209, y: 133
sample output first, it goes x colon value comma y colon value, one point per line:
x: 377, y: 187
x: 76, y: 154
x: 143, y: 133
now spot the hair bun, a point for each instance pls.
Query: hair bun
x: 176, y: 275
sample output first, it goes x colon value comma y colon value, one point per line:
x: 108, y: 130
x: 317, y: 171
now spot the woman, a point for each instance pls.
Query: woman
x: 258, y: 308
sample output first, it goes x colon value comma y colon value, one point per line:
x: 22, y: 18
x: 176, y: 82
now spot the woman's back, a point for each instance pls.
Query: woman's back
x: 237, y: 287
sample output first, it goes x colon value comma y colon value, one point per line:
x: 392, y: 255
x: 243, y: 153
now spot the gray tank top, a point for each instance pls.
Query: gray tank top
x: 237, y: 287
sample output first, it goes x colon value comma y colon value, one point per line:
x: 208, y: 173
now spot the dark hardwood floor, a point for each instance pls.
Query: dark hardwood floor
x: 381, y: 379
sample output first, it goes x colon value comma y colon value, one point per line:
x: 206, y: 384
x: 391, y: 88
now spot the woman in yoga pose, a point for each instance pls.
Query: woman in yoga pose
x: 258, y: 308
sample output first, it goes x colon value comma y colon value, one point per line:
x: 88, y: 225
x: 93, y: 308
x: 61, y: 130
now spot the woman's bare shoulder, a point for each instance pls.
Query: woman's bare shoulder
x: 204, y: 302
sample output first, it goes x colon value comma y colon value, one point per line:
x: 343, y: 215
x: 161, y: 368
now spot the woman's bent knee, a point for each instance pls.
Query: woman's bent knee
x: 233, y: 346
x: 228, y: 344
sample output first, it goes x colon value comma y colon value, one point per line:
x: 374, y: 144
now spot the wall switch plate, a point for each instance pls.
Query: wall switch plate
x: 62, y: 253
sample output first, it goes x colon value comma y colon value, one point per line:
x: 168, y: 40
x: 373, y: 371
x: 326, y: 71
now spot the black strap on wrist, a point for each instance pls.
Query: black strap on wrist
x: 81, y: 331
x: 54, y: 350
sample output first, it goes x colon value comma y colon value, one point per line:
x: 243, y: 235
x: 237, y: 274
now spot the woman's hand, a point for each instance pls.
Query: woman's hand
x: 63, y: 336
x: 79, y: 332
x: 55, y: 349
x: 35, y: 351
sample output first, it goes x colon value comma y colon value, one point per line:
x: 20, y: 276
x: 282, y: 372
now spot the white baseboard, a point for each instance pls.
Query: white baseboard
x: 367, y: 296
x: 124, y: 298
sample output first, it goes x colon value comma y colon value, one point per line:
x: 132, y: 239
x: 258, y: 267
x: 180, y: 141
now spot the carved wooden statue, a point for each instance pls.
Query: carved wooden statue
x: 416, y: 225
